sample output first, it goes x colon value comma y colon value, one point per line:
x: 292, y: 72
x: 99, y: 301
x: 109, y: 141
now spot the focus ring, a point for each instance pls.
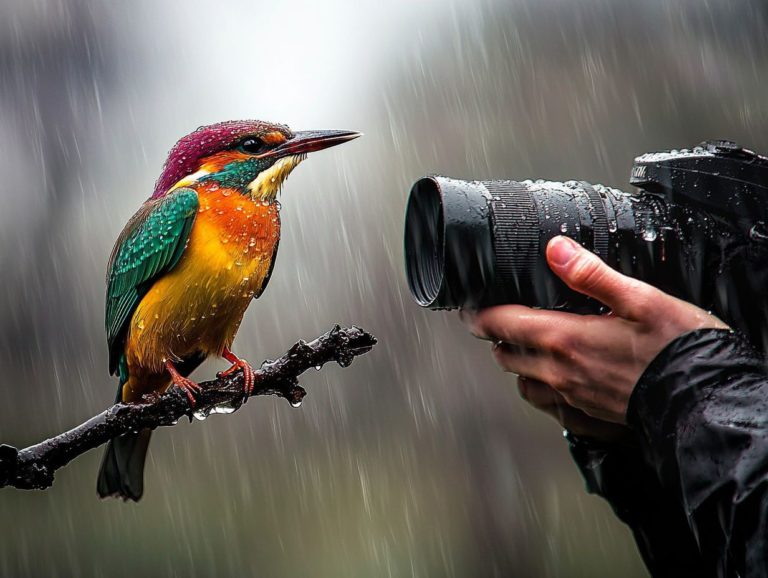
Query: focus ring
x: 515, y: 225
x: 600, y: 231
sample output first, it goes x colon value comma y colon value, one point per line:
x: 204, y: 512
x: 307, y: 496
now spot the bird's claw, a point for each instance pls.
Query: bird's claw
x: 189, y: 387
x: 249, y: 375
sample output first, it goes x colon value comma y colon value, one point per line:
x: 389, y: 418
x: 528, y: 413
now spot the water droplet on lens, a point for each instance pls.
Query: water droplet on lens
x: 649, y: 235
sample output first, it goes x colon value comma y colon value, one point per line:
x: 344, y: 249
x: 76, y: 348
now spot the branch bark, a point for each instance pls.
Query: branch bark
x: 33, y: 468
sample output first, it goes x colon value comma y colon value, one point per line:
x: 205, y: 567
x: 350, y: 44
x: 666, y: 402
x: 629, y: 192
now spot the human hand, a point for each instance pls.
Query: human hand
x: 549, y: 401
x: 592, y: 361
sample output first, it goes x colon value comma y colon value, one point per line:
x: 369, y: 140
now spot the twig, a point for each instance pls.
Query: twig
x: 34, y: 467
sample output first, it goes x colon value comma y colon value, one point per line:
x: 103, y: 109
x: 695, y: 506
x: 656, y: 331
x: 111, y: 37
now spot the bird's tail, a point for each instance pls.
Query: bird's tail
x: 122, y: 469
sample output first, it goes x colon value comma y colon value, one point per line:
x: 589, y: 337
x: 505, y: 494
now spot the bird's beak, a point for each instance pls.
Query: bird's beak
x: 309, y: 141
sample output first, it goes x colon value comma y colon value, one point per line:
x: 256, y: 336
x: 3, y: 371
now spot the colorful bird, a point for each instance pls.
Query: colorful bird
x: 187, y: 265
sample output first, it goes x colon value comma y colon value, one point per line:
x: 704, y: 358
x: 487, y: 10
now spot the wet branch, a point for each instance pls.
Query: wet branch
x: 34, y: 467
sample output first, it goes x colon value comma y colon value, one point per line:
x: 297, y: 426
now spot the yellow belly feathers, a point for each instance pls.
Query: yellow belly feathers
x: 198, y: 306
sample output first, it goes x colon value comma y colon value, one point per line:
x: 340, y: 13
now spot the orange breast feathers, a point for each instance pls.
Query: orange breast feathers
x: 198, y: 306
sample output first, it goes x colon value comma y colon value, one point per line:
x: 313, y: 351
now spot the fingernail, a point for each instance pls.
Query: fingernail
x: 562, y: 250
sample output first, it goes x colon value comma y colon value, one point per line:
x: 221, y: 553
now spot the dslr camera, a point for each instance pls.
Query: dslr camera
x: 696, y: 228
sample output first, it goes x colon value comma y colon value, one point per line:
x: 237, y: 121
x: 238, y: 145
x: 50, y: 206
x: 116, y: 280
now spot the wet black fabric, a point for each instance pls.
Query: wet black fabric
x: 694, y: 488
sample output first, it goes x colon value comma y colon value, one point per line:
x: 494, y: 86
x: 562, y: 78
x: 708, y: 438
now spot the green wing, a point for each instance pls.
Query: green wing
x: 149, y: 246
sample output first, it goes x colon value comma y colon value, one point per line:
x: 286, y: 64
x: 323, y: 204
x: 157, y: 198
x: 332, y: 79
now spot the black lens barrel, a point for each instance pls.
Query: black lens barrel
x: 482, y: 243
x: 448, y: 242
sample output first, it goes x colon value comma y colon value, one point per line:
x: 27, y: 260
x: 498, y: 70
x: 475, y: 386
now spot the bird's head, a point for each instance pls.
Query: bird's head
x: 249, y: 156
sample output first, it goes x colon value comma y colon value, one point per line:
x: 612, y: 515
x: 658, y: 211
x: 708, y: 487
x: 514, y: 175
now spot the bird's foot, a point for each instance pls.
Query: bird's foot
x: 249, y: 374
x: 189, y: 387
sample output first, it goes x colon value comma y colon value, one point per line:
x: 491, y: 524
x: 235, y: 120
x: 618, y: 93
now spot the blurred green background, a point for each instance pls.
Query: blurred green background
x: 419, y: 460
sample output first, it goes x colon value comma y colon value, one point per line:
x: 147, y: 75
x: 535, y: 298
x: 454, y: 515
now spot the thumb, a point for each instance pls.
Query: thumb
x: 585, y: 272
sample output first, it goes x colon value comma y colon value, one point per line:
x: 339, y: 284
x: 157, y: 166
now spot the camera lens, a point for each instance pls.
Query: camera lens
x: 424, y: 238
x: 482, y: 243
x: 448, y: 247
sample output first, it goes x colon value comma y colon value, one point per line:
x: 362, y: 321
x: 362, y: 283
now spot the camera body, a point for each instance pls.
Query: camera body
x: 695, y: 229
x: 726, y: 181
x: 722, y: 256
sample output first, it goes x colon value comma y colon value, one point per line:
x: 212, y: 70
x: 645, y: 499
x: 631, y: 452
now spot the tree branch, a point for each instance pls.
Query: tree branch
x: 34, y: 467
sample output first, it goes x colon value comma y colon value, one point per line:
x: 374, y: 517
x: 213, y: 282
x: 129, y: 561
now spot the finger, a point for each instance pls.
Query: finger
x: 552, y: 331
x: 538, y: 393
x: 547, y: 400
x: 527, y: 364
x: 585, y: 272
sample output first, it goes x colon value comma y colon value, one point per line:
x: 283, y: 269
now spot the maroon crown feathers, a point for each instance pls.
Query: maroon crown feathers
x: 185, y: 156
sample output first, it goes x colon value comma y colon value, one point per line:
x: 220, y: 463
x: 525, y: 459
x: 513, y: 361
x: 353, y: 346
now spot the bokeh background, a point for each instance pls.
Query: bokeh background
x: 419, y: 460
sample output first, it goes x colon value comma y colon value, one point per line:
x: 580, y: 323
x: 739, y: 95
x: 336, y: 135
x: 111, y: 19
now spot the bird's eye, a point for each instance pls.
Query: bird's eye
x: 253, y: 145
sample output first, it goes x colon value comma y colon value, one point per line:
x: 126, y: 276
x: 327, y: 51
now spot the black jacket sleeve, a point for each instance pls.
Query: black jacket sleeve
x: 620, y: 475
x: 695, y: 490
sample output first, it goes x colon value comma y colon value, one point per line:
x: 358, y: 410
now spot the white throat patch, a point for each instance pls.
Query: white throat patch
x: 268, y: 183
x: 189, y: 179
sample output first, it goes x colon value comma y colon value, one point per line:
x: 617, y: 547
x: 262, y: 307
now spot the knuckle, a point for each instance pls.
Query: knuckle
x: 572, y: 384
x: 631, y: 284
x: 562, y: 384
x: 554, y: 342
x: 567, y: 345
x: 645, y: 301
x: 588, y: 272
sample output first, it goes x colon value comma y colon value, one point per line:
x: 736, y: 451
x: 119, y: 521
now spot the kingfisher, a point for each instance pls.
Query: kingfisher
x: 187, y: 265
